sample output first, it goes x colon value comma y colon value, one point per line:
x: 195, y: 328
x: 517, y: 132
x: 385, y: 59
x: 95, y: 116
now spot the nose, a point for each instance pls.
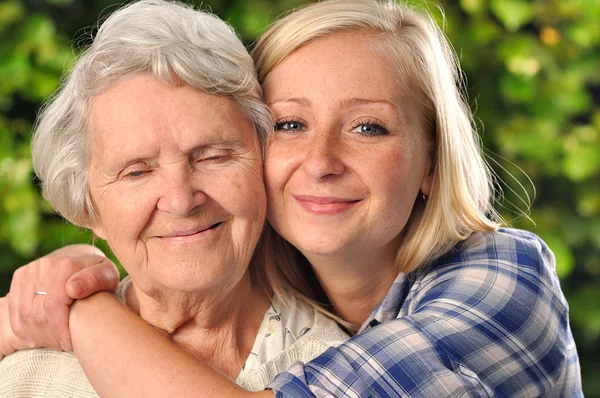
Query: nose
x: 181, y: 194
x: 323, y: 156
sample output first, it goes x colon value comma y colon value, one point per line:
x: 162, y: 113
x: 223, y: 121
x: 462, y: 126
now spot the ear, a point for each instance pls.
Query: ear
x: 428, y: 178
x: 98, y: 230
x: 93, y: 222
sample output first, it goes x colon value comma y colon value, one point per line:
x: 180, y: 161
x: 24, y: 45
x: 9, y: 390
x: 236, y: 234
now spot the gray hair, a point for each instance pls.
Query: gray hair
x: 171, y: 40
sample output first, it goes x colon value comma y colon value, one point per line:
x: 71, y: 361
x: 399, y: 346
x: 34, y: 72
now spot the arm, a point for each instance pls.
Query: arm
x: 134, y: 353
x: 489, y: 320
x: 477, y: 324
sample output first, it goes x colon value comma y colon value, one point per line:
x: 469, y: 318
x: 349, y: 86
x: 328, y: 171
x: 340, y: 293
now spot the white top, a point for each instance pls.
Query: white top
x: 288, y: 333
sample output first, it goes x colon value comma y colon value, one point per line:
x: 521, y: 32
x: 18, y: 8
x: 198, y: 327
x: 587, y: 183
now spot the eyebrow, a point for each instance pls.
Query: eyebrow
x: 300, y: 101
x: 346, y: 102
x: 364, y: 101
x: 219, y: 143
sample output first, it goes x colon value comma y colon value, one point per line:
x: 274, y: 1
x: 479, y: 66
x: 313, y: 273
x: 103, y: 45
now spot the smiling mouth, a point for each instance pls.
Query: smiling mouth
x: 191, y: 232
x: 325, y: 205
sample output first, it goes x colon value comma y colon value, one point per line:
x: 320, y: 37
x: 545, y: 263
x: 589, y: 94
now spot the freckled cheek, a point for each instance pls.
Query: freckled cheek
x: 388, y: 169
x: 398, y: 182
x: 280, y: 163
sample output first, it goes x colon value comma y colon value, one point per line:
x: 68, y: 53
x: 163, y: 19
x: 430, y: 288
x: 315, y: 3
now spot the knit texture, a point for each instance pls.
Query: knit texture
x: 50, y: 374
x: 43, y: 373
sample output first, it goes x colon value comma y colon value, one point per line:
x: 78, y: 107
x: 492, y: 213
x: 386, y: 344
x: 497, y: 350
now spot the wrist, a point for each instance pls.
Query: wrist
x: 82, y: 310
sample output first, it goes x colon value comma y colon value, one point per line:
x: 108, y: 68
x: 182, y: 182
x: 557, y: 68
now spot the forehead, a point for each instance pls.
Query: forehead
x: 140, y: 109
x: 350, y: 57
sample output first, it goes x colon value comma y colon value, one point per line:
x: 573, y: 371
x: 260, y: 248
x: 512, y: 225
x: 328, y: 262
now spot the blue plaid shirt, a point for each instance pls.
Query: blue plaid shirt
x: 486, y: 319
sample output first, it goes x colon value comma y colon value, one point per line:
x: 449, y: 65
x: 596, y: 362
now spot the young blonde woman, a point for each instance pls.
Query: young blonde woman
x: 377, y: 190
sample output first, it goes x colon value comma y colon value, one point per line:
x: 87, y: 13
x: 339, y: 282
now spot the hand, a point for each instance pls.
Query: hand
x: 9, y: 342
x: 69, y: 273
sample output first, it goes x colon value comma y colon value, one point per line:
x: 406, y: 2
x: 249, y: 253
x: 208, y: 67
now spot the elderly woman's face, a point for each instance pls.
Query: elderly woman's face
x: 348, y: 156
x: 176, y: 178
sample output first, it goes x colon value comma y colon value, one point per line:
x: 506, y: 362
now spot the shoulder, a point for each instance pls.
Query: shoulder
x: 500, y: 289
x: 506, y: 244
x: 507, y: 259
x: 43, y: 372
x: 507, y: 271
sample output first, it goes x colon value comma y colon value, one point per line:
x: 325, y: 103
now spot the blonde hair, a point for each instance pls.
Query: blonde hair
x: 460, y: 200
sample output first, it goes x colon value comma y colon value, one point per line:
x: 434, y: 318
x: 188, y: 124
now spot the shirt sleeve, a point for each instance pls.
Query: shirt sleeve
x: 490, y: 321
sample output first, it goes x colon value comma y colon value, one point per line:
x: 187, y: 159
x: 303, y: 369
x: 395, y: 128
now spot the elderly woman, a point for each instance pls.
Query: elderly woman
x: 154, y: 143
x: 375, y: 177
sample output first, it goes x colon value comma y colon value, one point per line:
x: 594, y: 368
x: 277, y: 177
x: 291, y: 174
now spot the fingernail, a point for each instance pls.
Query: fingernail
x: 109, y: 274
x: 29, y: 342
x: 64, y: 346
x: 76, y: 287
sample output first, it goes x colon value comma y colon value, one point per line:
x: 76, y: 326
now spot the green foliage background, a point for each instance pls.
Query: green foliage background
x: 533, y: 71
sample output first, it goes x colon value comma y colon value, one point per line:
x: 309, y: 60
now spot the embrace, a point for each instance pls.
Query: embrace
x: 310, y: 219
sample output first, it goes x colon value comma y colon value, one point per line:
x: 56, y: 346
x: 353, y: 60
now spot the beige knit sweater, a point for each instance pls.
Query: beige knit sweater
x: 46, y: 373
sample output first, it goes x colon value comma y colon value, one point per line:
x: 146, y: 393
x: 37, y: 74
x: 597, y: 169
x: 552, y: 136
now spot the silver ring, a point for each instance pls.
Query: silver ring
x: 40, y: 293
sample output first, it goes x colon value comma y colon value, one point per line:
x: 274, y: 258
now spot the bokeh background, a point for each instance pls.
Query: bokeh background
x: 533, y: 76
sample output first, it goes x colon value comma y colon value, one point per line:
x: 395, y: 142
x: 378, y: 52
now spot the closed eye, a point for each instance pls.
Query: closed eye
x: 136, y: 174
x: 215, y: 158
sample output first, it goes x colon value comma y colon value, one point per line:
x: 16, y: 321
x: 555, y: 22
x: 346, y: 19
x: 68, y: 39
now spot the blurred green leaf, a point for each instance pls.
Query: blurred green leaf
x: 10, y: 12
x: 582, y: 163
x: 473, y: 6
x: 512, y: 13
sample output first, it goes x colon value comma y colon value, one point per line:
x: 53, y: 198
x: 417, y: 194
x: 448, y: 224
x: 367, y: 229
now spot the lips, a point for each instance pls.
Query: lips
x: 325, y: 205
x: 190, y: 232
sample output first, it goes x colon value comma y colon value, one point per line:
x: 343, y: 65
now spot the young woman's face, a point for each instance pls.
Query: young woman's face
x: 348, y: 156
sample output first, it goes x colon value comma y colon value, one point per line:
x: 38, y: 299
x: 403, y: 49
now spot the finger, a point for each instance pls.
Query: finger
x: 8, y: 341
x: 34, y: 321
x: 51, y: 313
x: 76, y: 251
x: 39, y: 276
x: 25, y: 310
x: 96, y: 277
x: 4, y: 328
x: 42, y: 335
x: 56, y: 307
x: 14, y: 303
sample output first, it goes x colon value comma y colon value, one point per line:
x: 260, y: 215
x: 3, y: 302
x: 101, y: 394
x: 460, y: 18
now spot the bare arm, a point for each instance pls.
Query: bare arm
x: 112, y: 343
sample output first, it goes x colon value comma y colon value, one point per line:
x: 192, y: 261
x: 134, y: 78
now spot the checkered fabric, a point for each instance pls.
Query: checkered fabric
x: 488, y: 319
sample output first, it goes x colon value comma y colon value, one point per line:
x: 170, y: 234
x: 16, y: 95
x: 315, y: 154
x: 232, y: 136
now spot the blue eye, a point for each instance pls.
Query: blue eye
x: 289, y: 125
x: 370, y: 129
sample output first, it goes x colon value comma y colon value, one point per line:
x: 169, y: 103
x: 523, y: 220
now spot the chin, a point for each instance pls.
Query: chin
x: 324, y: 247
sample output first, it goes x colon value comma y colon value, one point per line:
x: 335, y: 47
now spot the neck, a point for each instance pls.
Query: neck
x: 355, y: 284
x: 218, y: 328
